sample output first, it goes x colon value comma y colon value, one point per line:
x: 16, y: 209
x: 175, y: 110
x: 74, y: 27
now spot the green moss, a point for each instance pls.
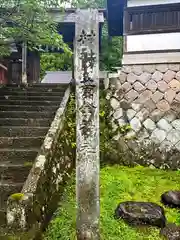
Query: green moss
x: 28, y: 164
x: 118, y: 184
x: 17, y: 196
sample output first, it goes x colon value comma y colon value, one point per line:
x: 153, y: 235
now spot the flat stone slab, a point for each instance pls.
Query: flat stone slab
x: 171, y: 199
x: 141, y: 213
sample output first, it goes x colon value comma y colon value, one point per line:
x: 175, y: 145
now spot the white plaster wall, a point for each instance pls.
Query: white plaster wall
x: 135, y: 3
x: 163, y: 41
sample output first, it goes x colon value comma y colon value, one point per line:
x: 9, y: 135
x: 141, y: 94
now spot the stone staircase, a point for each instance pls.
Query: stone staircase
x: 25, y: 117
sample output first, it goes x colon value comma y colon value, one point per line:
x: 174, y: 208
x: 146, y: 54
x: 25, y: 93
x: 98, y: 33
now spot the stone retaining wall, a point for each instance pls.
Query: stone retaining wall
x: 148, y: 98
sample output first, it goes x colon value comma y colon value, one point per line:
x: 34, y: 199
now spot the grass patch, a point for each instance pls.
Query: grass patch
x: 118, y: 184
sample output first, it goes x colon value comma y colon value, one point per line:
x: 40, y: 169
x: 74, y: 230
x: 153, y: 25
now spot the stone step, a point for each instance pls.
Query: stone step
x: 6, y: 189
x: 26, y: 114
x: 31, y: 98
x: 35, y: 88
x: 27, y: 108
x: 27, y: 93
x: 22, y: 131
x: 18, y: 155
x: 38, y: 85
x: 21, y: 142
x: 14, y: 172
x: 36, y: 122
x: 30, y: 103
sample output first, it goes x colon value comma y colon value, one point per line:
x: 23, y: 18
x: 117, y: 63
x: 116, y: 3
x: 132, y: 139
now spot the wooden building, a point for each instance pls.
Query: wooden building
x: 151, y: 29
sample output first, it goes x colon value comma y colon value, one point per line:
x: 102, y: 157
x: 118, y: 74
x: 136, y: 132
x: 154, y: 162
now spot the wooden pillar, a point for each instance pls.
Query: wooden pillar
x: 87, y: 123
x: 24, y: 63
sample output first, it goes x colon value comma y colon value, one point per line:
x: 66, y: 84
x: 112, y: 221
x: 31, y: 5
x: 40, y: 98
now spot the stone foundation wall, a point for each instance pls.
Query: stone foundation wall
x: 147, y: 97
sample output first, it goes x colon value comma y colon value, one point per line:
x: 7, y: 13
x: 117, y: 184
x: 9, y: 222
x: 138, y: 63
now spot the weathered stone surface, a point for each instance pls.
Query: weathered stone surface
x: 157, y: 96
x: 171, y: 198
x: 176, y: 124
x: 121, y: 122
x: 158, y: 135
x: 170, y: 116
x: 126, y: 87
x: 141, y: 213
x: 151, y: 85
x: 162, y: 86
x: 166, y: 146
x: 178, y: 97
x: 175, y: 85
x: 136, y: 106
x: 126, y: 69
x: 135, y: 124
x: 115, y: 103
x: 178, y: 75
x: 163, y: 105
x: 143, y: 134
x: 177, y: 146
x: 142, y: 114
x: 124, y: 104
x: 157, y: 76
x: 137, y: 69
x: 149, y: 124
x: 171, y: 232
x: 162, y: 67
x: 131, y: 78
x: 130, y: 114
x: 118, y: 113
x: 131, y: 95
x: 164, y: 125
x: 122, y: 77
x: 144, y: 77
x: 130, y: 135
x: 144, y: 96
x: 170, y: 95
x: 149, y: 68
x: 173, y: 136
x: 174, y: 67
x: 156, y: 115
x: 169, y: 75
x: 150, y: 105
x: 138, y: 87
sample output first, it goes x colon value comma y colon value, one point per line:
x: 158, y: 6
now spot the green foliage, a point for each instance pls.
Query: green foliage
x: 17, y: 196
x: 55, y: 62
x: 116, y: 186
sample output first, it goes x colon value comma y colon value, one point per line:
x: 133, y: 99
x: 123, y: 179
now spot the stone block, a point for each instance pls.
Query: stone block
x: 121, y: 122
x: 136, y: 106
x: 143, y: 134
x: 142, y: 114
x: 118, y: 113
x: 137, y: 69
x: 174, y: 67
x: 126, y: 69
x: 151, y: 85
x: 169, y: 76
x: 135, y: 124
x: 130, y: 135
x: 158, y: 136
x: 164, y: 125
x: 126, y: 87
x: 144, y: 77
x: 162, y: 67
x: 131, y: 78
x: 175, y: 85
x: 150, y: 105
x: 149, y: 124
x: 175, y: 106
x: 178, y: 75
x: 177, y: 146
x: 122, y: 77
x: 138, y: 87
x: 157, y: 76
x: 131, y: 95
x: 149, y: 68
x: 114, y: 103
x: 166, y: 146
x: 162, y: 86
x: 169, y: 95
x: 176, y: 124
x: 173, y: 136
x: 157, y: 96
x: 156, y: 115
x: 163, y: 106
x: 170, y: 116
x: 144, y: 96
x: 130, y: 114
x: 177, y: 97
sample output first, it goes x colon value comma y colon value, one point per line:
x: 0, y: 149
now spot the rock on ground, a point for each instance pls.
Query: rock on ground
x: 141, y: 213
x: 171, y: 199
x: 171, y: 232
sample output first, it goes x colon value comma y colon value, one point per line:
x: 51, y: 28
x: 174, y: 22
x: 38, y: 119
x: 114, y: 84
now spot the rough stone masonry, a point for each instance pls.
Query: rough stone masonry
x: 148, y: 98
